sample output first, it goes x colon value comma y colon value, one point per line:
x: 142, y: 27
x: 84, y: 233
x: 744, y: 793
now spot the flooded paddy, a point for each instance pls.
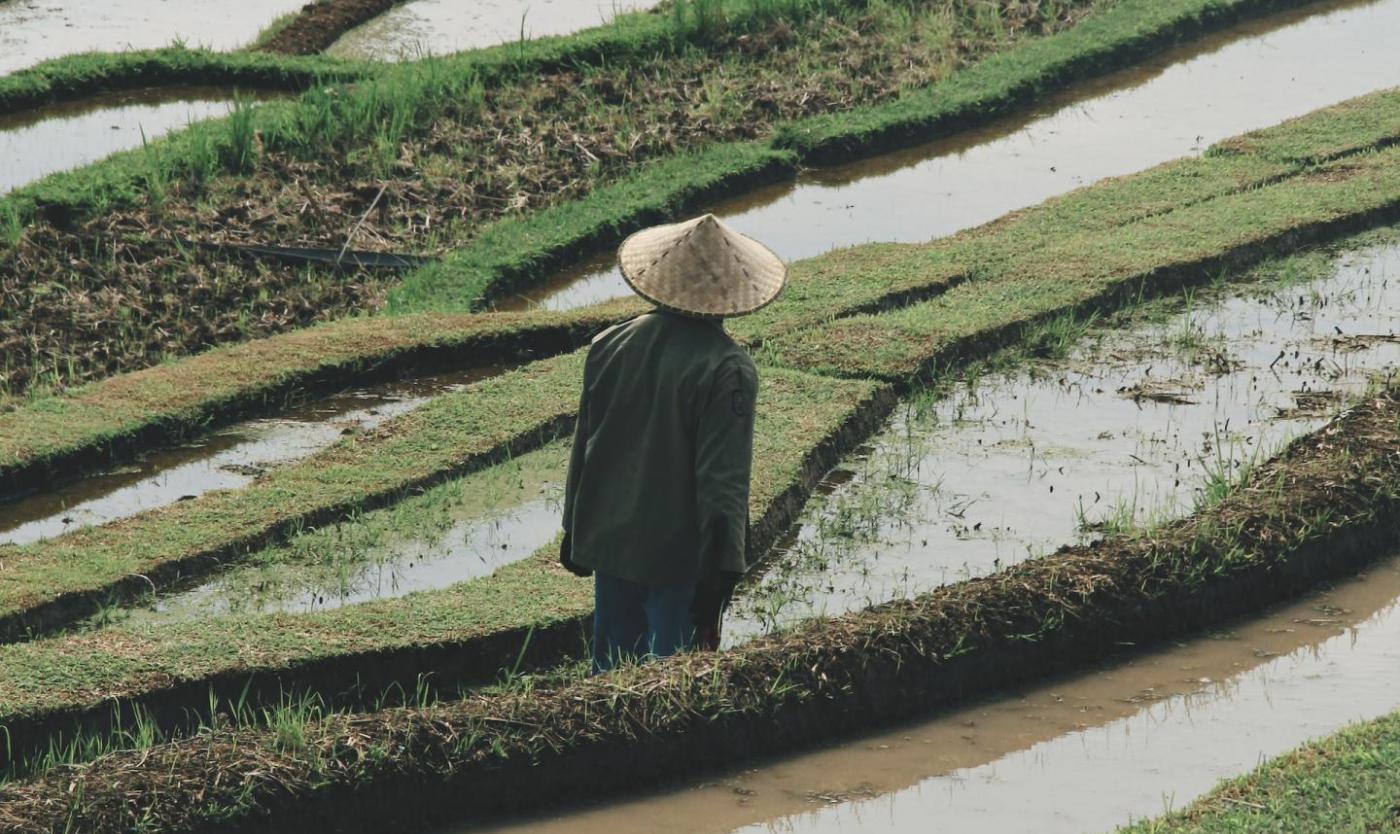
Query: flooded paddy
x: 1076, y: 755
x: 227, y: 459
x: 439, y: 27
x: 475, y: 525
x: 32, y: 31
x: 1174, y: 104
x: 61, y: 137
x: 1135, y: 425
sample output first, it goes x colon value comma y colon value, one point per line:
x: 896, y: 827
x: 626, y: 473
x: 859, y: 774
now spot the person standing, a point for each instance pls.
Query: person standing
x: 656, y: 500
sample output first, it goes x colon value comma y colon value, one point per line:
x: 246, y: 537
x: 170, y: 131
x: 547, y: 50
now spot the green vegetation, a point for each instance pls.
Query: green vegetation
x: 79, y: 76
x: 83, y: 427
x: 1295, y: 519
x: 182, y: 397
x: 1346, y: 783
x: 46, y: 582
x: 143, y: 656
x: 613, y: 99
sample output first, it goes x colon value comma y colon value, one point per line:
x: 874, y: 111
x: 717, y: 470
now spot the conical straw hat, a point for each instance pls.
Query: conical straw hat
x: 701, y: 267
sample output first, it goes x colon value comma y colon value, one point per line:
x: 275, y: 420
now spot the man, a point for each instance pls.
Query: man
x: 656, y: 505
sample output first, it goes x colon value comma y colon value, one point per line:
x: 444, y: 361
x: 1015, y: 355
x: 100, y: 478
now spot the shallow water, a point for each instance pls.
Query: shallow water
x: 494, y: 517
x: 60, y: 137
x: 1132, y: 427
x: 1074, y: 755
x: 1174, y: 104
x: 439, y: 27
x: 226, y: 459
x: 37, y: 30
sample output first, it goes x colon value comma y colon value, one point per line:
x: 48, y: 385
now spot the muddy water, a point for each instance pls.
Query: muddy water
x: 438, y: 27
x: 465, y: 530
x: 227, y: 459
x: 1173, y: 105
x: 1135, y: 425
x: 1076, y: 755
x: 60, y: 137
x: 37, y: 30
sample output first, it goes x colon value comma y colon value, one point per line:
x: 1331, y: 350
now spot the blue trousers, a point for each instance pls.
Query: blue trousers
x: 633, y: 621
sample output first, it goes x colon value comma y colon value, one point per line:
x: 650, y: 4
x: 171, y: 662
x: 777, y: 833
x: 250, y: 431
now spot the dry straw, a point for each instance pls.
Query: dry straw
x: 701, y: 267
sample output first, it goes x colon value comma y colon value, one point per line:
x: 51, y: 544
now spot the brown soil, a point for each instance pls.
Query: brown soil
x: 319, y: 24
x: 1323, y: 506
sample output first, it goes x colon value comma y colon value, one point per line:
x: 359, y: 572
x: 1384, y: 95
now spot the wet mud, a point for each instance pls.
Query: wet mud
x: 61, y: 137
x: 1134, y: 426
x: 1078, y: 754
x: 439, y: 27
x: 32, y: 31
x: 227, y: 459
x: 1173, y: 104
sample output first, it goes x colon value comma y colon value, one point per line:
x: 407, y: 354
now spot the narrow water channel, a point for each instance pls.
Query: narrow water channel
x: 60, y: 137
x: 226, y: 459
x: 1076, y: 755
x: 32, y: 31
x: 440, y: 27
x: 1174, y: 104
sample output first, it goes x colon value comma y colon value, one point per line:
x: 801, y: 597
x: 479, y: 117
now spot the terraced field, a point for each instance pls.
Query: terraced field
x: 277, y: 546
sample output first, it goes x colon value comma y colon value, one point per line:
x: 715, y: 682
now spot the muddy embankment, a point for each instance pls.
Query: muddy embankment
x: 1083, y: 752
x: 1323, y: 507
x: 320, y: 23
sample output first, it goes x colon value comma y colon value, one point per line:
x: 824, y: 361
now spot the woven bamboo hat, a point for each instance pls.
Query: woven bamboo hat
x: 701, y: 267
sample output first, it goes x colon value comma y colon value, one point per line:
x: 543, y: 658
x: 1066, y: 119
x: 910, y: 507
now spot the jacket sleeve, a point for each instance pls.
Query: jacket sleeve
x: 723, y: 463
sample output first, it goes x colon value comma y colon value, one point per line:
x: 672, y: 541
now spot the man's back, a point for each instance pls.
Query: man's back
x: 658, y: 482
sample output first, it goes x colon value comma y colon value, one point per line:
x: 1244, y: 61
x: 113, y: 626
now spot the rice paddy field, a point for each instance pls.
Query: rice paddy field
x: 1075, y: 502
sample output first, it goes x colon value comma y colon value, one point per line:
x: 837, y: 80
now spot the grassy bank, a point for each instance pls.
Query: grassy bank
x: 1322, y: 507
x: 1085, y: 273
x: 455, y: 144
x: 1346, y: 783
x: 54, y: 438
x: 82, y: 76
x: 72, y: 432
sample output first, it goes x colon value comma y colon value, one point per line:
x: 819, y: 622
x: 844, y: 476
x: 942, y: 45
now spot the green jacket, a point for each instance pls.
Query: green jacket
x: 658, y: 485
